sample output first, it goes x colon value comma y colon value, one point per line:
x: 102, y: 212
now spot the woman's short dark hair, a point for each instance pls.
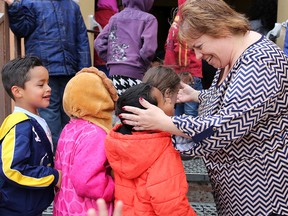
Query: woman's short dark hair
x: 211, y: 17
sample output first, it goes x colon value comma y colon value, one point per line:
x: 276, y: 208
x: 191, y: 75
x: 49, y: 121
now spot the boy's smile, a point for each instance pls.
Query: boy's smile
x: 36, y: 93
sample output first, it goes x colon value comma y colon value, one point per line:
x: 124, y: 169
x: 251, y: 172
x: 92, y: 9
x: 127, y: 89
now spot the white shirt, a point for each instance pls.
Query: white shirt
x: 40, y: 120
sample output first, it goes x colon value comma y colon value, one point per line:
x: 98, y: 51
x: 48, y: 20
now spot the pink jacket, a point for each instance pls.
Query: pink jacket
x: 80, y: 155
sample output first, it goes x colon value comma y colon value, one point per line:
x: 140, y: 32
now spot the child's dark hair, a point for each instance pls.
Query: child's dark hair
x: 131, y: 98
x: 16, y: 72
x: 162, y: 78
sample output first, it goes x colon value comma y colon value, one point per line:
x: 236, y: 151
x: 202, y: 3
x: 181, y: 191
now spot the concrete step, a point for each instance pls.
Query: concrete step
x: 200, y: 190
x: 195, y: 170
x: 204, y: 209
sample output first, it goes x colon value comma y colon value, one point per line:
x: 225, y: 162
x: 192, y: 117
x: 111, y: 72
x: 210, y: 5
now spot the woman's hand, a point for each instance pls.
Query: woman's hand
x: 187, y: 94
x: 103, y: 211
x: 151, y: 118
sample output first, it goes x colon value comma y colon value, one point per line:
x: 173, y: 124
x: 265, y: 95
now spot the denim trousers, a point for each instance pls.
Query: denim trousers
x: 54, y: 114
x: 189, y: 108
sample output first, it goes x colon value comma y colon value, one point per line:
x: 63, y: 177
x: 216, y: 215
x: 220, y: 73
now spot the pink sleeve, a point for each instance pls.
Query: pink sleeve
x: 90, y: 171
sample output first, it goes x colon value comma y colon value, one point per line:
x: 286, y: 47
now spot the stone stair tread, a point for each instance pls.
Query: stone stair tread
x: 195, y: 170
x: 195, y: 166
x: 204, y: 209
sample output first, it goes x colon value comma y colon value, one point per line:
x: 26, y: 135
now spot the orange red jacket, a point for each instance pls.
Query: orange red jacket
x: 149, y: 175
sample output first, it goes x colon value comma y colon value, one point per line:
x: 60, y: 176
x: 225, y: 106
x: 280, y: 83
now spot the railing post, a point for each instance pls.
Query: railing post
x: 5, y: 101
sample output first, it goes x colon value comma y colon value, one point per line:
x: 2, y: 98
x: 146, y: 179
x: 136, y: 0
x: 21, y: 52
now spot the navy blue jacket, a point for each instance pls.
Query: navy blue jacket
x: 54, y: 31
x: 27, y: 177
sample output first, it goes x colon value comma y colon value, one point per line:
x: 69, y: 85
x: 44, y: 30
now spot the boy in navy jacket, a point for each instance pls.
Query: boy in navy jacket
x: 55, y: 32
x: 27, y: 177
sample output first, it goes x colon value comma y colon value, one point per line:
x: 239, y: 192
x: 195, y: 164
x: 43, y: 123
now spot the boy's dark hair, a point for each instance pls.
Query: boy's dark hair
x: 131, y: 98
x: 16, y: 72
x: 162, y: 78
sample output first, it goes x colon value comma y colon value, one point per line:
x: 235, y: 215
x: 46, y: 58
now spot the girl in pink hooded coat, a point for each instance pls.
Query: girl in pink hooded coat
x: 89, y: 100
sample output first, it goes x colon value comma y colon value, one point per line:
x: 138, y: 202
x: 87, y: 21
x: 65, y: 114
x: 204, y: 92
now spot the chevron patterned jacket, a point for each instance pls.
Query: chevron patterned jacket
x: 241, y: 133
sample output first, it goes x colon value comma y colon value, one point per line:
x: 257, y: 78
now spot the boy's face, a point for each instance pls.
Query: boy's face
x: 166, y: 103
x: 36, y: 93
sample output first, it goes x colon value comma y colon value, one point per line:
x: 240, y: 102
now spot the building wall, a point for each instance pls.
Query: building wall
x: 88, y: 8
x: 282, y: 16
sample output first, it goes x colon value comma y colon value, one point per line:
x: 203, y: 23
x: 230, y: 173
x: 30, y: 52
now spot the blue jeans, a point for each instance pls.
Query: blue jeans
x: 54, y: 114
x: 190, y: 108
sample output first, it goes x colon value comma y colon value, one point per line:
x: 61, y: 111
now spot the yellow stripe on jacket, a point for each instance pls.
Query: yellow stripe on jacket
x: 7, y: 133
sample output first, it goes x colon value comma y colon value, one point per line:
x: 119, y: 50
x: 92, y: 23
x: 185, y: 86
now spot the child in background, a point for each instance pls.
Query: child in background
x: 183, y: 60
x: 27, y: 176
x: 128, y: 43
x: 155, y: 77
x: 149, y: 174
x: 88, y: 99
x: 105, y: 9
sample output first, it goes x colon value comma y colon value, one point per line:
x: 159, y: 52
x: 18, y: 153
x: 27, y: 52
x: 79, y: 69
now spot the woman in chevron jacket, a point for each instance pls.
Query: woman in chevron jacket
x: 241, y: 131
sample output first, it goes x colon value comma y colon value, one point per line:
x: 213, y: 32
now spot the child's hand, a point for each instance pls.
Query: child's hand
x: 59, y: 179
x: 102, y: 209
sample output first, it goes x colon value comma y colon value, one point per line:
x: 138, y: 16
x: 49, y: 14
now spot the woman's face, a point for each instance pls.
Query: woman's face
x: 215, y: 51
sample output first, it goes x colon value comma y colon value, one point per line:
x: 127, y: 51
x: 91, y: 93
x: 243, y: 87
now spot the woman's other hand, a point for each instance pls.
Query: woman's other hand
x: 187, y: 94
x: 103, y: 211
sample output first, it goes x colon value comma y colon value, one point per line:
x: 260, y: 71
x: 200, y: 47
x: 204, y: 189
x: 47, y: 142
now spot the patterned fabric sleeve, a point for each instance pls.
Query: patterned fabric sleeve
x: 252, y: 94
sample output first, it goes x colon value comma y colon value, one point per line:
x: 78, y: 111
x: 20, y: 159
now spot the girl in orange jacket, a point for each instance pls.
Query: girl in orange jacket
x: 149, y: 175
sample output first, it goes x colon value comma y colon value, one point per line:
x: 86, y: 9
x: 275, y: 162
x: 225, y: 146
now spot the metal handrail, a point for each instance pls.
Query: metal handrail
x: 275, y: 32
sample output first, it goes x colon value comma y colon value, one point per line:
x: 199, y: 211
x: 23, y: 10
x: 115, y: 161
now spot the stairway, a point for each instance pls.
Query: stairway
x: 199, y: 194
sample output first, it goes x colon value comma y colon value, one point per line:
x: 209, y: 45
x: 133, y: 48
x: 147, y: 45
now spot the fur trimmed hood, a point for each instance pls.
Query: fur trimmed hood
x: 91, y: 96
